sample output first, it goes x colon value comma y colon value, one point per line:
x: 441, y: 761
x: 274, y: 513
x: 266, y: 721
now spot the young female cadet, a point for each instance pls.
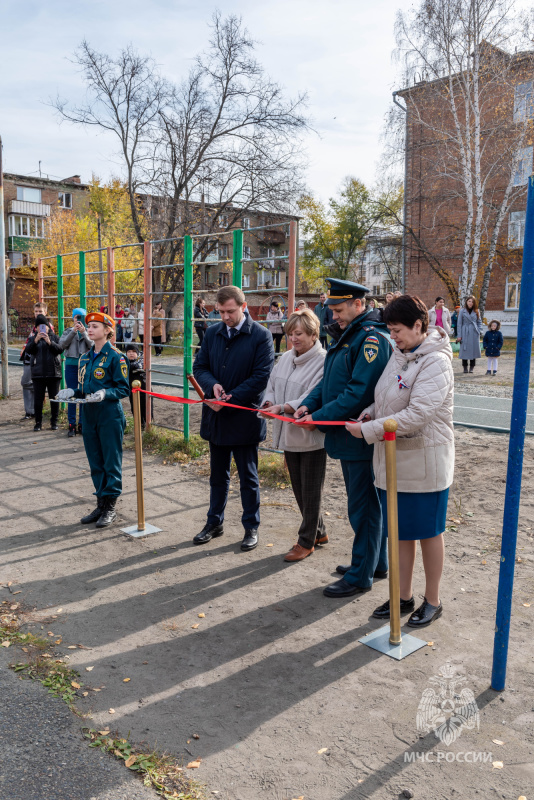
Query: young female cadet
x: 103, y: 382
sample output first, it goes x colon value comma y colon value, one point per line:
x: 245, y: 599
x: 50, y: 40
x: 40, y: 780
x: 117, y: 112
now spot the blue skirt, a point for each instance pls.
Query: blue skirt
x: 422, y: 515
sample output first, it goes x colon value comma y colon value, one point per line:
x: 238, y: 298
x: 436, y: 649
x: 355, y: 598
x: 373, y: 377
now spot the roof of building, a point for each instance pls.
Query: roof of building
x: 38, y: 181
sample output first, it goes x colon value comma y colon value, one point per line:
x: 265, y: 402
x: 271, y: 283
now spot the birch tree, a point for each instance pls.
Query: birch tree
x: 458, y: 58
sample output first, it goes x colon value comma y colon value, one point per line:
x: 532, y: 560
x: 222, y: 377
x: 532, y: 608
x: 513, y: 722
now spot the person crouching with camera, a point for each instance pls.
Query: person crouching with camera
x: 102, y: 382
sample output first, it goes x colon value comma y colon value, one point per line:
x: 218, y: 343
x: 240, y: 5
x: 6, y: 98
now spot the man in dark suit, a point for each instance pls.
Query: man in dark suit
x: 233, y: 365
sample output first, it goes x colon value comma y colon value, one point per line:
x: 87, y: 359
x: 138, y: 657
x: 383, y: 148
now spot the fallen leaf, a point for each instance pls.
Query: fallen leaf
x: 145, y: 662
x: 527, y: 605
x: 299, y: 798
x: 518, y: 561
x: 14, y: 607
x: 522, y: 797
x: 269, y: 545
x: 194, y: 764
x: 484, y: 562
x: 19, y: 591
x: 201, y: 616
x: 196, y: 736
x: 498, y: 765
x: 84, y: 694
x: 59, y: 611
x: 430, y: 644
x: 322, y: 750
x: 71, y: 647
x: 89, y: 669
x: 7, y: 643
x: 58, y: 641
x: 195, y: 625
x: 111, y: 711
x: 75, y: 685
x: 126, y: 680
x: 142, y: 593
x: 129, y: 761
x: 10, y: 583
x: 497, y: 741
x: 104, y: 733
x: 97, y: 690
x: 327, y: 513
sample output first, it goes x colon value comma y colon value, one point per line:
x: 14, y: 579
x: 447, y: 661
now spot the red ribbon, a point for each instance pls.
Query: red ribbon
x: 187, y: 401
x: 390, y: 437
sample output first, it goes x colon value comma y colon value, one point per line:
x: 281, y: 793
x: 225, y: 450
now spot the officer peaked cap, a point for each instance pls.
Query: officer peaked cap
x: 339, y: 291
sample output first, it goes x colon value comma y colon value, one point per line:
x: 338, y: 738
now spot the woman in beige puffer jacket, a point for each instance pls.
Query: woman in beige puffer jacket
x: 416, y: 390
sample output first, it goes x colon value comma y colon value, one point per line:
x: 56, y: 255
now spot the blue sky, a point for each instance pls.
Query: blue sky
x: 338, y: 51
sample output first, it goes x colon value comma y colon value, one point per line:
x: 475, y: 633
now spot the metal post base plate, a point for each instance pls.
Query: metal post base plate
x: 379, y: 640
x: 134, y: 531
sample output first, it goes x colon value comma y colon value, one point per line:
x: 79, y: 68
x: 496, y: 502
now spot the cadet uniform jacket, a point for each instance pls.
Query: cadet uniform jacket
x: 352, y: 368
x: 108, y: 370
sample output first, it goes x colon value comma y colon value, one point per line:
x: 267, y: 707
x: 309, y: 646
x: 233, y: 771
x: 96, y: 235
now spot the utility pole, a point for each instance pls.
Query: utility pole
x: 3, y: 289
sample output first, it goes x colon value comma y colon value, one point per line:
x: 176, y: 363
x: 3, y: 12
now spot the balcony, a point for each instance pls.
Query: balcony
x: 32, y: 209
x: 271, y: 236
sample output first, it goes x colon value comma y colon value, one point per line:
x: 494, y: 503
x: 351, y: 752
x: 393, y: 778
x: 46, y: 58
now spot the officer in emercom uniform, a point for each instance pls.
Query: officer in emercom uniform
x: 353, y: 365
x: 103, y: 382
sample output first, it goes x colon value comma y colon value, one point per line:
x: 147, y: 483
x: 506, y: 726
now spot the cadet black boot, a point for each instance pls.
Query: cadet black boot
x: 108, y: 513
x: 72, y: 430
x: 95, y: 514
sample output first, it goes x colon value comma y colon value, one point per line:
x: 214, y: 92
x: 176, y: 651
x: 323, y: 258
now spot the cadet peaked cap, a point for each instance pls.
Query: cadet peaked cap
x: 339, y: 291
x: 99, y: 316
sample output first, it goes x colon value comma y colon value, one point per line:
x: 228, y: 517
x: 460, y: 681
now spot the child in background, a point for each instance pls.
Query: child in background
x: 492, y: 344
x: 136, y: 372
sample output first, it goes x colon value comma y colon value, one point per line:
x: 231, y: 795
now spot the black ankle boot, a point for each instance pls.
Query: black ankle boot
x: 108, y: 512
x: 79, y: 429
x: 95, y: 514
x: 72, y: 430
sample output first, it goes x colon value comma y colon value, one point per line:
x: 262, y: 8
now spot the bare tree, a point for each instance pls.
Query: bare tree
x: 226, y: 131
x: 466, y: 135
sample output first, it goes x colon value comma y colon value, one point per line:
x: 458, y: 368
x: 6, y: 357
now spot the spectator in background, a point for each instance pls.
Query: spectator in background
x: 215, y: 315
x: 324, y: 315
x: 141, y: 323
x: 439, y: 316
x: 301, y: 304
x: 75, y: 342
x: 454, y: 321
x: 119, y: 314
x: 274, y: 326
x: 389, y: 297
x: 25, y: 357
x: 397, y: 294
x: 128, y: 325
x: 297, y: 372
x: 43, y: 347
x: 136, y: 372
x: 469, y: 330
x: 492, y: 344
x: 158, y: 328
x: 233, y: 365
x: 201, y: 315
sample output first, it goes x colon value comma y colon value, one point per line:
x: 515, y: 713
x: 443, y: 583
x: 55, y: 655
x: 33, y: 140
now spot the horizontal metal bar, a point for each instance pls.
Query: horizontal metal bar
x: 129, y: 269
x: 95, y: 250
x: 164, y: 293
x: 220, y: 261
x: 270, y: 225
x: 96, y: 295
x: 69, y: 296
x: 124, y: 246
x: 165, y: 266
x: 173, y: 239
x: 71, y: 274
x: 96, y: 272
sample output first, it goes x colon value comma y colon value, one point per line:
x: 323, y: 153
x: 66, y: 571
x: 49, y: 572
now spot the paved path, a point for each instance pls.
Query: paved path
x: 487, y: 412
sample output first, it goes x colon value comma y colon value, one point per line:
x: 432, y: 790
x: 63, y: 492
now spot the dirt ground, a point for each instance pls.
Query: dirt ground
x: 271, y: 677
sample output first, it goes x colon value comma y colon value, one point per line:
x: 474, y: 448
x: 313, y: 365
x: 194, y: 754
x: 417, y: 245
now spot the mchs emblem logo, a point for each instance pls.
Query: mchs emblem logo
x: 447, y: 709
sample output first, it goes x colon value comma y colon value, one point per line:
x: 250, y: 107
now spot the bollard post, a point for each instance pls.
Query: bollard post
x: 390, y: 438
x: 142, y: 528
x: 388, y: 639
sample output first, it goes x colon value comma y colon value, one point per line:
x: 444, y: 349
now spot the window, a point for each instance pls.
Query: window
x: 376, y: 290
x: 28, y: 195
x: 65, y: 201
x: 513, y: 290
x: 223, y: 221
x: 246, y: 281
x: 376, y: 269
x: 516, y: 228
x: 523, y: 102
x: 524, y: 167
x: 31, y: 227
x: 268, y: 276
x: 246, y: 223
x: 223, y: 279
x: 223, y: 251
x: 246, y: 252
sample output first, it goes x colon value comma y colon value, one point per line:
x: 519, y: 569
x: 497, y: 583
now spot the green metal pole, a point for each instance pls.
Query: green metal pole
x: 60, y: 313
x: 188, y: 324
x: 83, y: 288
x: 237, y: 276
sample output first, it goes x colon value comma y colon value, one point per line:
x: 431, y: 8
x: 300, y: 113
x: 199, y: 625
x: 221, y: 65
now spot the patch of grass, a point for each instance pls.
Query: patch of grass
x: 60, y: 680
x: 159, y: 771
x: 272, y: 470
x: 171, y: 445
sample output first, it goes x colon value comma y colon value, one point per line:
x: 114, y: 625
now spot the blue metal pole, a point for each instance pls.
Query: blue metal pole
x: 515, y: 452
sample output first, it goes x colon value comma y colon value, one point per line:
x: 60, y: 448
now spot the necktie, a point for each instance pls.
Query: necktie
x: 233, y: 332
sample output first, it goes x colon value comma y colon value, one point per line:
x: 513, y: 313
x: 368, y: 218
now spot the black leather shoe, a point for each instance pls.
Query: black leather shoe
x: 37, y: 427
x: 378, y: 576
x: 72, y: 431
x: 425, y: 614
x: 79, y: 431
x: 208, y: 533
x: 342, y: 588
x: 250, y: 540
x: 108, y: 512
x: 382, y: 612
x: 95, y: 514
x: 54, y: 426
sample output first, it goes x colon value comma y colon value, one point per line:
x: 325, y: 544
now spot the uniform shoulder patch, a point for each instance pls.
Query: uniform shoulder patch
x: 373, y: 339
x: 370, y: 350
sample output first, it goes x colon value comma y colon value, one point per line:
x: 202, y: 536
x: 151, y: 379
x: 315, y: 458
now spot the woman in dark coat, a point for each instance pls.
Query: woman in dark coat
x: 44, y: 350
x: 201, y: 315
x: 469, y: 330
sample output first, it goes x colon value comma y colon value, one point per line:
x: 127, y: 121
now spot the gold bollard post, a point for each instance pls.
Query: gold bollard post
x: 390, y: 437
x: 141, y: 529
x: 138, y: 437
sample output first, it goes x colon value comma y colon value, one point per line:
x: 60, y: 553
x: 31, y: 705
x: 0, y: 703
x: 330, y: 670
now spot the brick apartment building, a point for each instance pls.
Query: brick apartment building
x: 435, y: 207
